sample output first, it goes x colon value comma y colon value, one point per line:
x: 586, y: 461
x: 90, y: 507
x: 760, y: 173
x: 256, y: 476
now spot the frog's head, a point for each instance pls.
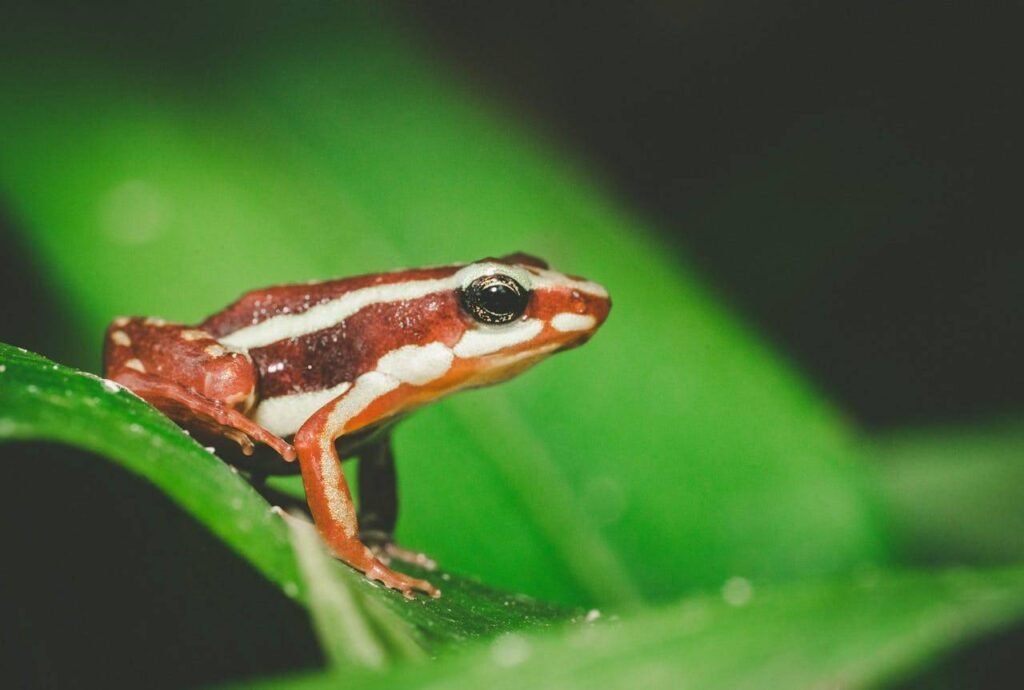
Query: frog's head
x: 517, y: 311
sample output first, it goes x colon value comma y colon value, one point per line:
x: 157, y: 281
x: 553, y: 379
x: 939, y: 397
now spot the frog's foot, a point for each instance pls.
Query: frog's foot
x: 191, y: 409
x: 386, y: 550
x: 232, y: 424
x: 393, y: 552
x: 405, y: 584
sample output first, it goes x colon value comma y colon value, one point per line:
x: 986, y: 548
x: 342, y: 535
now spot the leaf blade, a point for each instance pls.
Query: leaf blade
x: 853, y: 633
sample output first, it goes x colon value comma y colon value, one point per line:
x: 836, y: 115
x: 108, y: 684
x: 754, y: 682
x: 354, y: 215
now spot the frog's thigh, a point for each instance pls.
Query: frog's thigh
x: 186, y: 374
x: 189, y: 357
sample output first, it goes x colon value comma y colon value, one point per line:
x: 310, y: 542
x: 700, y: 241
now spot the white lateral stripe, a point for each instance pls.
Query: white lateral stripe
x: 567, y: 321
x: 368, y: 388
x: 482, y: 341
x: 516, y: 357
x: 330, y: 313
x: 284, y: 414
x: 417, y: 364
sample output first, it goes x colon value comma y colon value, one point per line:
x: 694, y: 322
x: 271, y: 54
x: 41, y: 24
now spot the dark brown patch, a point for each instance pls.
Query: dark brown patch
x: 523, y: 259
x: 342, y: 352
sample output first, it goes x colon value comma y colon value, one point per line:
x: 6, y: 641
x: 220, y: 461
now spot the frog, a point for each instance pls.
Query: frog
x: 320, y: 371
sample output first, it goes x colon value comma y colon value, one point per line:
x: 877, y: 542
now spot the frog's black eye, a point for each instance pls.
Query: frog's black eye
x: 494, y: 298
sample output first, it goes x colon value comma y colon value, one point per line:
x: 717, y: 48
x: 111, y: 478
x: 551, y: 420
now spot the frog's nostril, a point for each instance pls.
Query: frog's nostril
x: 579, y: 302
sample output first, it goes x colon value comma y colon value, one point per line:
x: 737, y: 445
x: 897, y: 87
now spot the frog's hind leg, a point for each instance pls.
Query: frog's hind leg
x: 189, y: 376
x: 378, y: 504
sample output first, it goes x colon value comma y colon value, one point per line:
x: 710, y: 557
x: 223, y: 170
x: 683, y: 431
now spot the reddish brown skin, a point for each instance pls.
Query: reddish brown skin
x: 259, y: 305
x: 188, y: 384
x: 189, y: 376
x: 341, y: 353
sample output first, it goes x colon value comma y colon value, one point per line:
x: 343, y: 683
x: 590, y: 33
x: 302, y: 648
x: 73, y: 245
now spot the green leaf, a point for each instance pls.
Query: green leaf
x: 342, y: 615
x: 41, y: 400
x: 953, y: 495
x: 165, y: 178
x: 851, y: 633
x: 360, y: 628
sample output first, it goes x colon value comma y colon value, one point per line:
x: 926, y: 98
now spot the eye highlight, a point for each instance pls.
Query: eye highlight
x: 494, y: 298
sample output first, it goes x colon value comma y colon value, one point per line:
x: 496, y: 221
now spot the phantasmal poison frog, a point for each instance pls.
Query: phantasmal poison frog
x: 330, y: 366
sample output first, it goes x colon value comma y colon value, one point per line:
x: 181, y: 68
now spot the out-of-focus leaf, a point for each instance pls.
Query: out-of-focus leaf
x: 342, y: 616
x: 360, y: 627
x: 954, y: 495
x: 851, y: 633
x: 284, y: 144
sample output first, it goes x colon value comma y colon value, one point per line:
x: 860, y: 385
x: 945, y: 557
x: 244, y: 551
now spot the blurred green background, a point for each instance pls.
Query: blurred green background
x: 803, y: 215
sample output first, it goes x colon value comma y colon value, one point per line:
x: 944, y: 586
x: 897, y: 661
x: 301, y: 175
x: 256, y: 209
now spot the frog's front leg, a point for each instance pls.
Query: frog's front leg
x: 189, y: 376
x: 330, y: 500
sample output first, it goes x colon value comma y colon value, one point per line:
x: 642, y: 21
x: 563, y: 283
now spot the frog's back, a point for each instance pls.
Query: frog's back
x: 426, y: 331
x: 260, y: 305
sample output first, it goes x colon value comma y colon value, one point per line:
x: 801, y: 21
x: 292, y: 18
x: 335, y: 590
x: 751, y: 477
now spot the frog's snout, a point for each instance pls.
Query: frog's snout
x: 598, y: 307
x: 590, y: 305
x: 579, y: 316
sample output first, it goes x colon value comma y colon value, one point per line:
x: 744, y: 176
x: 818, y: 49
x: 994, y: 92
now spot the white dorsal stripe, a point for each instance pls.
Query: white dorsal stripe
x: 473, y: 271
x: 337, y: 310
x: 284, y: 415
x: 546, y: 278
x: 331, y: 313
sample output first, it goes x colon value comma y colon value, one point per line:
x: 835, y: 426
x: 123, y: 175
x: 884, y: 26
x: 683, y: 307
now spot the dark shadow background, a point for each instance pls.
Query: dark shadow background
x: 95, y: 592
x: 847, y: 174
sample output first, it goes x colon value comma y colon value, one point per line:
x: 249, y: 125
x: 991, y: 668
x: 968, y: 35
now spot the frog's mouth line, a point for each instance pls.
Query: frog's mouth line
x: 573, y: 344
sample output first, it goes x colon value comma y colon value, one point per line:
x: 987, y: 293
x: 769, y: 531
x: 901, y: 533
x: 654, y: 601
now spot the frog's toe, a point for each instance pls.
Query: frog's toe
x: 243, y: 441
x: 387, y: 551
x: 395, y: 552
x: 405, y: 584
